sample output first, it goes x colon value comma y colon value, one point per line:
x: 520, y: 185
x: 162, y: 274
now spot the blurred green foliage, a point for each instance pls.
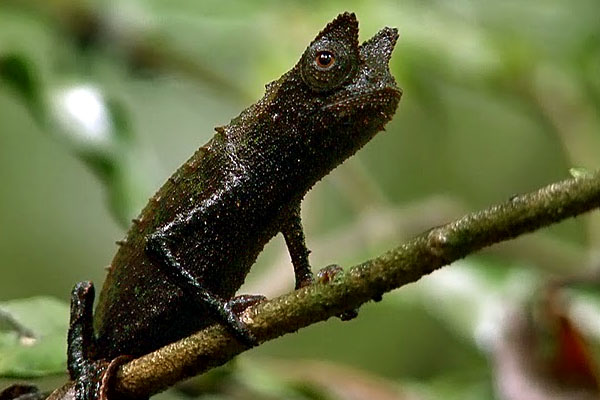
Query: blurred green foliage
x: 500, y: 97
x: 32, y: 337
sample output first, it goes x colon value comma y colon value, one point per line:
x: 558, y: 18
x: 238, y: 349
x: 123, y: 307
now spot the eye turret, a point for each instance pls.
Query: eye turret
x: 333, y: 57
x: 326, y: 65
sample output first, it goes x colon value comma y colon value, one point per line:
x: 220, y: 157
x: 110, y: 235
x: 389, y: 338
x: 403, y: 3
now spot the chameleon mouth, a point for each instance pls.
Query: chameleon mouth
x: 385, y: 99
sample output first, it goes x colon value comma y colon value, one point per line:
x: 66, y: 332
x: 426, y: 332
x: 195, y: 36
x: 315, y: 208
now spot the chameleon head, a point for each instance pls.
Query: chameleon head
x: 349, y: 93
x: 329, y: 105
x: 335, y: 63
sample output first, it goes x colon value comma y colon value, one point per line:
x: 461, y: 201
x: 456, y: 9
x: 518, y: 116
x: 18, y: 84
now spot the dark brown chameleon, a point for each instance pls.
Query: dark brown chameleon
x: 192, y: 246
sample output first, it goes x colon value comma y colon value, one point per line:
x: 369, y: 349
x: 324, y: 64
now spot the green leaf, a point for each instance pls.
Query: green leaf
x: 33, y: 337
x: 17, y: 73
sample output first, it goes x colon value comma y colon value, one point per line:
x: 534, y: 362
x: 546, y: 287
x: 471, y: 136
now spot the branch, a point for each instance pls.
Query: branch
x: 407, y: 263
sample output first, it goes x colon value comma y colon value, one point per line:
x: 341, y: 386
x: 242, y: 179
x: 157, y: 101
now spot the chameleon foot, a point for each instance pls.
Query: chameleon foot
x: 230, y: 314
x: 239, y: 303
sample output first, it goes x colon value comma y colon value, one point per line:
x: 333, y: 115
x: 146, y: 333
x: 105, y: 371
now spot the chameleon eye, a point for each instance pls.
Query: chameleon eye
x: 327, y: 64
x: 325, y: 59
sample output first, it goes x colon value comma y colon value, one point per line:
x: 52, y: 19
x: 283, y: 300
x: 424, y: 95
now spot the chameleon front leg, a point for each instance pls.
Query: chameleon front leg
x: 158, y: 245
x: 294, y: 238
x: 293, y: 234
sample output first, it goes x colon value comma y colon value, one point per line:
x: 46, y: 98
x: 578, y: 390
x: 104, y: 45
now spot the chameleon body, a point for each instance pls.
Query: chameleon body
x: 192, y: 246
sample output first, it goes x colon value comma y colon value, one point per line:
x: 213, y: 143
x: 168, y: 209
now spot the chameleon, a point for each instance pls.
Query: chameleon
x: 189, y: 251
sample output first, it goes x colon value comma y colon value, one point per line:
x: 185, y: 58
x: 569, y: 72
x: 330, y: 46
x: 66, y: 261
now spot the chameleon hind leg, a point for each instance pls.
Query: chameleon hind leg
x: 225, y: 310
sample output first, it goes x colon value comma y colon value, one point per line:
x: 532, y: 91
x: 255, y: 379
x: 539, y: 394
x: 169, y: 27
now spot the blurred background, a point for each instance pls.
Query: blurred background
x: 100, y: 101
